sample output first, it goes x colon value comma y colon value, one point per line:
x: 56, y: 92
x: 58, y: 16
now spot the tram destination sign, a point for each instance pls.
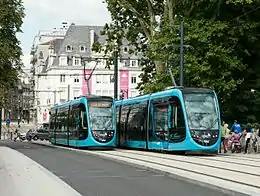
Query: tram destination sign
x: 100, y: 104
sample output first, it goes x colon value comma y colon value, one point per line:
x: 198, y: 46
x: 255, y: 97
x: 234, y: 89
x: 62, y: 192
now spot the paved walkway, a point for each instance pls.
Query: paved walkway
x: 21, y: 176
x: 235, y: 172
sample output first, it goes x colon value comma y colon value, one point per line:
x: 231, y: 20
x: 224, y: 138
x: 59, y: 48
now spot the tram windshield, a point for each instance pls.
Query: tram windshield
x: 101, y: 115
x: 201, y: 111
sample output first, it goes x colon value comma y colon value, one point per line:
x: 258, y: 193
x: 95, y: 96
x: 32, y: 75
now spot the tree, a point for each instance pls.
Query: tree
x: 11, y: 19
x: 223, y: 38
x: 139, y: 22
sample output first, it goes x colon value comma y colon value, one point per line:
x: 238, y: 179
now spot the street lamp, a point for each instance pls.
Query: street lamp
x: 20, y: 91
x: 182, y: 51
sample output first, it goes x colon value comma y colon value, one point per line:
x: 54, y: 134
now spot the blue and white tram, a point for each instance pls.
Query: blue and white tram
x: 87, y: 121
x: 177, y: 119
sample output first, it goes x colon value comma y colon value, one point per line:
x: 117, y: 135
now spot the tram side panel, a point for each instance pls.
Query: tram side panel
x: 149, y: 124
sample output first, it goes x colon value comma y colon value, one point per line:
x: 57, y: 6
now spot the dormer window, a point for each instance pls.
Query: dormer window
x: 82, y: 48
x: 68, y: 48
x: 125, y: 49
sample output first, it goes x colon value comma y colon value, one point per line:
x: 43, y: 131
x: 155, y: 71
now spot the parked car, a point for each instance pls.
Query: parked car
x: 29, y: 135
x: 22, y: 136
x: 41, y: 134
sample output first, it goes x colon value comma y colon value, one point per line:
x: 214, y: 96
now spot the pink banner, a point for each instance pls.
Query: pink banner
x: 124, y: 82
x: 44, y: 115
x: 84, y: 82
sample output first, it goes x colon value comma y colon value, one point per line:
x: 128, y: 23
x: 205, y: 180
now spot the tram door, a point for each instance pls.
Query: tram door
x: 118, y: 122
x: 158, y: 126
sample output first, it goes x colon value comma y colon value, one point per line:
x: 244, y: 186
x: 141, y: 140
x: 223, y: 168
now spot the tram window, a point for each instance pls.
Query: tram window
x: 136, y: 122
x: 161, y: 121
x: 84, y: 122
x: 123, y: 120
x: 73, y: 116
x: 52, y: 121
x: 177, y: 131
x: 59, y: 123
x: 168, y: 120
x: 83, y: 117
x: 64, y: 116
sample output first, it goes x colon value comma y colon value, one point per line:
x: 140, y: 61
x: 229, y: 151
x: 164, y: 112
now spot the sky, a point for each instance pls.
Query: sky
x: 49, y: 14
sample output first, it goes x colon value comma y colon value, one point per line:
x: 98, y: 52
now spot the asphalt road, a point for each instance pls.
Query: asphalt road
x: 94, y: 176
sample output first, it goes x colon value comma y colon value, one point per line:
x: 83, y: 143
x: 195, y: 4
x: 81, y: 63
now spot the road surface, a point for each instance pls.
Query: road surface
x: 94, y: 176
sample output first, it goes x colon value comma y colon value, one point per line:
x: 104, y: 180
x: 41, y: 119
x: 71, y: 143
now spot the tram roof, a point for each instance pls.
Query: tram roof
x: 165, y: 92
x: 78, y: 100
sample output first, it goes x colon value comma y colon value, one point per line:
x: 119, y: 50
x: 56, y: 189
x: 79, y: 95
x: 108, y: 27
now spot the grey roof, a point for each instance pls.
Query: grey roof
x: 57, y: 44
x: 77, y: 36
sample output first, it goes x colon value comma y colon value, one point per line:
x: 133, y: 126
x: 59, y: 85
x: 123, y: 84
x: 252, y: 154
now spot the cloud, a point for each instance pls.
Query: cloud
x: 49, y: 14
x: 87, y: 11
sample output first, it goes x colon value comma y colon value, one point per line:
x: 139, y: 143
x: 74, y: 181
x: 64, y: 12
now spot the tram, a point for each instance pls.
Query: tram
x: 176, y: 119
x: 88, y: 121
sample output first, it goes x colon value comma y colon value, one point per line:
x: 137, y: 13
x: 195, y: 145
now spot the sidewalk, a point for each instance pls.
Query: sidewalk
x: 234, y: 173
x: 28, y: 178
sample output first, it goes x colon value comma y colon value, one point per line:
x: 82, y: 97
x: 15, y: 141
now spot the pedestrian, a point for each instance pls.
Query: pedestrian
x: 17, y: 133
x: 223, y: 137
x: 236, y: 127
x: 248, y: 138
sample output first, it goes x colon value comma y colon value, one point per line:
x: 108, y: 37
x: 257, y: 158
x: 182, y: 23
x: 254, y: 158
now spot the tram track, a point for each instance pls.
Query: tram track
x: 192, y: 159
x: 225, y: 174
x: 216, y: 158
x: 231, y: 162
x: 243, y: 158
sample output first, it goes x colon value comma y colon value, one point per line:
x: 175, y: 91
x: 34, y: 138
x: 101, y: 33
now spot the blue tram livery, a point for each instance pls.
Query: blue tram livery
x: 88, y: 121
x: 177, y: 119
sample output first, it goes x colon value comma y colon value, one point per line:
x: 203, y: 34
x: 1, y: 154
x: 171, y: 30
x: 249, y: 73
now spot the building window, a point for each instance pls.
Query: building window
x: 99, y: 78
x: 105, y: 92
x: 76, y: 61
x: 111, y: 78
x: 133, y: 79
x: 111, y: 93
x: 63, y: 94
x: 133, y: 63
x: 98, y: 92
x: 51, y: 50
x: 76, y: 79
x: 127, y: 63
x: 63, y: 61
x: 62, y: 100
x: 76, y: 93
x: 134, y: 93
x: 82, y: 48
x: 62, y: 78
x: 68, y: 48
x: 125, y: 49
x: 105, y: 79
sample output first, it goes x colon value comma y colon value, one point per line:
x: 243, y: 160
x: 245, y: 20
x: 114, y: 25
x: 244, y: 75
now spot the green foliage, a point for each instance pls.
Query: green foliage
x: 11, y: 19
x: 221, y: 47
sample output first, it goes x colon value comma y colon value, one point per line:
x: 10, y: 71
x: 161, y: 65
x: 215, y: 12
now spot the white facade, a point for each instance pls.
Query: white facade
x: 58, y: 80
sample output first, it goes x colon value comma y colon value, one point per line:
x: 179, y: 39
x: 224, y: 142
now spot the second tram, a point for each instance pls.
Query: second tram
x: 87, y: 121
x: 177, y: 119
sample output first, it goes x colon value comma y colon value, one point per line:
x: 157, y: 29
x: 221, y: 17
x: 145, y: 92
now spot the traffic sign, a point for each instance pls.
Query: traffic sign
x: 8, y: 121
